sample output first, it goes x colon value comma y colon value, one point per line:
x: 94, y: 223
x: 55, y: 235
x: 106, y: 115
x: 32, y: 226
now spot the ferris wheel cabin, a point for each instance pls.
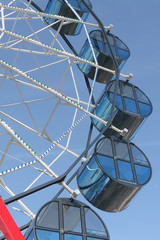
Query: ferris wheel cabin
x: 131, y: 109
x: 113, y: 174
x: 60, y: 7
x: 104, y: 58
x: 68, y: 220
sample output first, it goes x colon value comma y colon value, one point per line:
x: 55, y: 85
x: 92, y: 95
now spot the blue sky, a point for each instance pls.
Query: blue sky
x: 137, y: 23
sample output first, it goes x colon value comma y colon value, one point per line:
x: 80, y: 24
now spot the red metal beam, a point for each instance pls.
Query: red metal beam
x: 8, y: 225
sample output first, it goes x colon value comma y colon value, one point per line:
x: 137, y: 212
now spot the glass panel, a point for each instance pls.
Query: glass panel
x: 30, y: 237
x: 53, y: 7
x: 107, y: 164
x: 127, y: 91
x: 103, y: 108
x: 143, y: 174
x: 90, y: 174
x: 138, y: 156
x: 125, y: 171
x: 118, y: 100
x: 76, y: 4
x: 111, y: 87
x: 72, y: 237
x: 103, y: 111
x: 86, y: 53
x: 95, y: 41
x: 47, y: 235
x: 114, y: 51
x: 122, y: 54
x: 111, y: 40
x: 141, y: 97
x: 84, y: 18
x: 99, y: 45
x: 48, y: 216
x: 92, y: 180
x: 91, y: 238
x: 130, y: 105
x: 88, y: 3
x: 122, y: 64
x: 94, y: 226
x: 145, y: 109
x: 105, y: 147
x: 107, y: 49
x: 97, y: 34
x: 122, y: 150
x: 120, y: 44
x: 72, y: 218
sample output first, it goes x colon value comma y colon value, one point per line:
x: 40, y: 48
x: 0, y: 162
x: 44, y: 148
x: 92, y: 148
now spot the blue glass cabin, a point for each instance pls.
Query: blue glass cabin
x: 68, y: 220
x: 132, y: 107
x: 113, y: 174
x: 60, y: 7
x: 103, y: 55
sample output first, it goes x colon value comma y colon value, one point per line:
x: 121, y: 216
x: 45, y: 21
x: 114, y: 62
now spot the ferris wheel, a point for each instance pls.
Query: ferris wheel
x: 67, y: 116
